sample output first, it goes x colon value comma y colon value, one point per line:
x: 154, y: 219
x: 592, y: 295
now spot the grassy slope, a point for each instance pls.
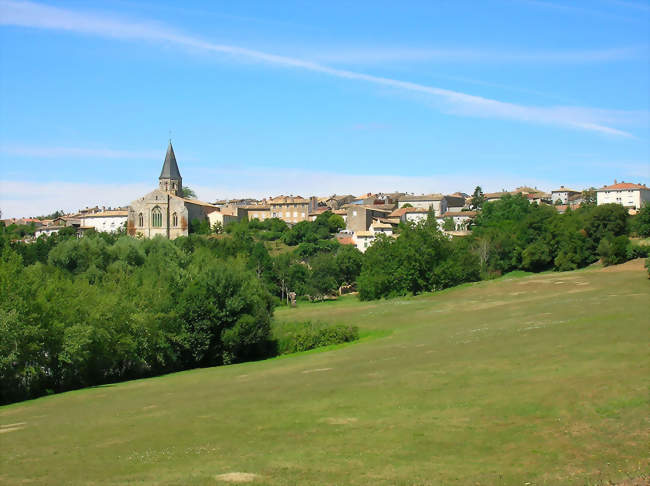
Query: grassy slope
x: 541, y: 379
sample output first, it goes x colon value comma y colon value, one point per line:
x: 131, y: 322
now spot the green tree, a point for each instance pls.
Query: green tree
x: 641, y: 222
x: 188, y: 193
x: 478, y: 198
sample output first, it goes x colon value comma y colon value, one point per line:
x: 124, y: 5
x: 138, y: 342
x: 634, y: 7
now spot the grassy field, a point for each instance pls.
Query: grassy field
x: 533, y: 380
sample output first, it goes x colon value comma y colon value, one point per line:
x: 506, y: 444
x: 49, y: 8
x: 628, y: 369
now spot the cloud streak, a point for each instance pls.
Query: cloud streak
x: 378, y: 55
x: 34, y: 15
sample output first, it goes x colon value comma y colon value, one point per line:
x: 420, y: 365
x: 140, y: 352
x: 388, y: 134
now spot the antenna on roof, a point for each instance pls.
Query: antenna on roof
x: 170, y: 136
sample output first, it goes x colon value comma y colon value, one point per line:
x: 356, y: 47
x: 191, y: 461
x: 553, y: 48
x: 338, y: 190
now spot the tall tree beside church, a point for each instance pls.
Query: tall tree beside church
x: 188, y: 193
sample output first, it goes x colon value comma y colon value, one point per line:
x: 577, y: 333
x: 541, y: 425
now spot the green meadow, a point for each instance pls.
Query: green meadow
x: 528, y: 380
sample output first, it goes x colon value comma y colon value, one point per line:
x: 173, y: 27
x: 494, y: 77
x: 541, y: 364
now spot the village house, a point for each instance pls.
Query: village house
x: 359, y: 218
x: 163, y: 212
x: 437, y: 202
x: 363, y: 239
x: 562, y: 195
x: 224, y: 215
x: 253, y: 211
x: 629, y: 195
x: 337, y: 202
x: 108, y: 221
x: 292, y: 209
x: 461, y: 220
x: 455, y: 203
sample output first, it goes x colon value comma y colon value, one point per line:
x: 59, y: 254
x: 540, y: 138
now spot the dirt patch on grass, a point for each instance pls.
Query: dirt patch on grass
x: 237, y: 477
x: 12, y: 427
x: 631, y: 266
x: 340, y: 420
x: 317, y: 370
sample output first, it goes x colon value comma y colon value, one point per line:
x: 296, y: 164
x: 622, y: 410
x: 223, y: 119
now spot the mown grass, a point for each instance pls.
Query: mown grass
x: 541, y: 379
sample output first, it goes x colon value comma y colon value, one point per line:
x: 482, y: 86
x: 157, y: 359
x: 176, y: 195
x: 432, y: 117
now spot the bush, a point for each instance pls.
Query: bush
x: 303, y: 336
x: 613, y: 250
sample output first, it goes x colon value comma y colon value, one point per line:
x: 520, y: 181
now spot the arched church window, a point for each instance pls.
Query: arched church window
x: 140, y: 220
x: 174, y: 220
x: 156, y: 217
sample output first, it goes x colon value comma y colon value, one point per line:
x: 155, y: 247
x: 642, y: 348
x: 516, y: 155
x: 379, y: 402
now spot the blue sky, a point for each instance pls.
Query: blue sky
x: 303, y: 97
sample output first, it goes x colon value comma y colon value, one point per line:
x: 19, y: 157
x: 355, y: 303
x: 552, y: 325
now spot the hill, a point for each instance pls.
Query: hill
x: 541, y: 379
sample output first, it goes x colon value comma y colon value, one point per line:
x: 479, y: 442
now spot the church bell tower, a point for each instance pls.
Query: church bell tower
x: 170, y: 179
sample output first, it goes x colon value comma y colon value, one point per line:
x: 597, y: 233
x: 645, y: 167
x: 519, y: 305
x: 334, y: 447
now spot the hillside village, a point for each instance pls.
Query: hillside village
x: 168, y: 212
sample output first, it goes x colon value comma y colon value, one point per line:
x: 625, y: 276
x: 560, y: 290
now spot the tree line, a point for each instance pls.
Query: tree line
x: 106, y: 307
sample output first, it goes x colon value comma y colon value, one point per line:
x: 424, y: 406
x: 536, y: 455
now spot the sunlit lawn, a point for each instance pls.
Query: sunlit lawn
x: 540, y: 379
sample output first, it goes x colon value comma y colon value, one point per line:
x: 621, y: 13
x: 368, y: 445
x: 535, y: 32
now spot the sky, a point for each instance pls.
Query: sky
x: 301, y: 97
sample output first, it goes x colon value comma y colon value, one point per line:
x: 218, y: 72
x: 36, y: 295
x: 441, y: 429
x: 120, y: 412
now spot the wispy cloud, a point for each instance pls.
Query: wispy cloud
x: 77, y: 152
x: 379, y: 55
x: 34, y: 15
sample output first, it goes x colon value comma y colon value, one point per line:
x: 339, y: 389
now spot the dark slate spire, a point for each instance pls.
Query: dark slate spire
x: 170, y: 167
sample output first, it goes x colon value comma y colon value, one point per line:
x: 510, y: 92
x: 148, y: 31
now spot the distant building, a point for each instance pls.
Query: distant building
x: 359, y: 218
x: 437, y: 202
x: 627, y: 194
x: 563, y: 194
x: 292, y: 209
x: 461, y: 219
x: 163, y: 212
x: 108, y: 221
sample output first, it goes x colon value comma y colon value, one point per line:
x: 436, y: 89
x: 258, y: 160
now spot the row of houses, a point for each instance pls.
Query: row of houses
x: 164, y: 211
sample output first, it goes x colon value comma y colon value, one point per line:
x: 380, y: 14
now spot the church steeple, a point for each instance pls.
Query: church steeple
x: 170, y: 179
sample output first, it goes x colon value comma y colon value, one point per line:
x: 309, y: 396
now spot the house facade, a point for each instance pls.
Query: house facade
x: 108, y: 221
x: 627, y: 194
x: 562, y: 195
x: 292, y: 209
x: 359, y: 218
x: 437, y: 202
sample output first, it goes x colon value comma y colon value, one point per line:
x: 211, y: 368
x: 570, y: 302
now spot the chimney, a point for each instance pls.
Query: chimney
x: 614, y: 181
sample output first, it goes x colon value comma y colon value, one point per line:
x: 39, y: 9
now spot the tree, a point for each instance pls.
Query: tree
x: 589, y: 197
x: 188, y: 193
x: 641, y: 222
x: 449, y: 224
x: 349, y: 261
x: 613, y: 250
x: 477, y: 198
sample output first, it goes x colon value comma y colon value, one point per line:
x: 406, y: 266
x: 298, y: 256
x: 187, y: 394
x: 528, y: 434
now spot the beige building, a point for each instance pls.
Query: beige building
x: 163, y: 212
x: 437, y: 202
x: 292, y: 209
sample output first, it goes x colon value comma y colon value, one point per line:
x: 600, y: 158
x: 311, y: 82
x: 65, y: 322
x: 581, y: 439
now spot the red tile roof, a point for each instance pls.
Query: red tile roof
x: 623, y: 185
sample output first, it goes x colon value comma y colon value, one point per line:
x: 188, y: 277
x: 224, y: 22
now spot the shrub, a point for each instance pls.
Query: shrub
x: 613, y: 251
x: 303, y: 336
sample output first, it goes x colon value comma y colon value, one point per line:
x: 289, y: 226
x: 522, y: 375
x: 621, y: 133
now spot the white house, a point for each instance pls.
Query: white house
x: 461, y: 219
x: 107, y: 221
x: 627, y: 194
x: 47, y: 230
x: 363, y: 239
x: 563, y: 194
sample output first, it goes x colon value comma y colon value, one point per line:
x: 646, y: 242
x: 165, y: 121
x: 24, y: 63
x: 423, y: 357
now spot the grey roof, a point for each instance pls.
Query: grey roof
x: 170, y: 167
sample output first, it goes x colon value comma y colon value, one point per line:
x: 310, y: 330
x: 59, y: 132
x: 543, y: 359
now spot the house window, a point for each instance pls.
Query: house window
x: 295, y: 214
x: 175, y: 219
x: 156, y: 217
x: 140, y: 220
x: 354, y: 213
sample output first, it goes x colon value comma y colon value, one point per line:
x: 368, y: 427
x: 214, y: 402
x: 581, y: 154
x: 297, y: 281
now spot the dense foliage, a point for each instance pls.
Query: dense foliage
x: 106, y: 307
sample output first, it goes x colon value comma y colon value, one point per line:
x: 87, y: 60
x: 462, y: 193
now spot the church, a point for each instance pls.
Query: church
x: 164, y: 211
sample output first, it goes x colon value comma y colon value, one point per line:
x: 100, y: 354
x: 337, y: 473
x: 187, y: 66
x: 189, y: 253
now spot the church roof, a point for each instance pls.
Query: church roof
x: 170, y: 167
